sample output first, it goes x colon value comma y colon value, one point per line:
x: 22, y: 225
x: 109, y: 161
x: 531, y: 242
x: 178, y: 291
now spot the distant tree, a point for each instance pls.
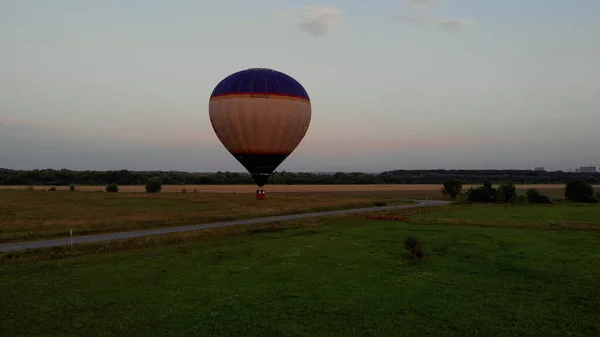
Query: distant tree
x: 506, y: 193
x: 154, y: 185
x: 64, y: 177
x: 534, y: 197
x: 580, y: 191
x: 484, y: 193
x: 113, y: 188
x: 452, y: 187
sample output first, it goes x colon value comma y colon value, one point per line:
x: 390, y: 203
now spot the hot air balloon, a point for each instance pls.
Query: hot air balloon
x: 260, y: 115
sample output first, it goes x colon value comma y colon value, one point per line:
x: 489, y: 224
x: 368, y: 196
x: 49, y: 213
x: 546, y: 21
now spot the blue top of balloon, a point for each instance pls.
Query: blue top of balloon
x: 260, y: 80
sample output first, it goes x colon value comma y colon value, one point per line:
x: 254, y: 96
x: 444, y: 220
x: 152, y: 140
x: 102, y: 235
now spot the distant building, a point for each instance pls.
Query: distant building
x: 589, y: 169
x: 539, y: 168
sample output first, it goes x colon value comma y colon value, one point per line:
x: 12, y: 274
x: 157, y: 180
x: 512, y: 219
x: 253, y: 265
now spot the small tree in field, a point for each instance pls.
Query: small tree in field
x: 506, y: 193
x: 414, y: 247
x: 483, y: 193
x: 113, y: 188
x: 452, y: 187
x: 579, y: 191
x: 154, y: 185
x: 534, y: 197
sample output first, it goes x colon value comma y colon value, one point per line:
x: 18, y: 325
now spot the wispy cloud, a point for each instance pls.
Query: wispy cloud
x: 450, y: 25
x: 454, y: 24
x: 422, y: 18
x: 29, y: 124
x: 419, y: 2
x: 316, y: 21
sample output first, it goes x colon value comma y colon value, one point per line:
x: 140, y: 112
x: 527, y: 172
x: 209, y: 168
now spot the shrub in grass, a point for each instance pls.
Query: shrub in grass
x: 112, y: 188
x: 414, y: 247
x: 461, y: 199
x: 52, y: 189
x: 379, y: 203
x: 154, y: 185
x: 183, y: 190
x: 534, y: 197
x: 506, y: 193
x: 580, y: 191
x: 72, y: 188
x: 452, y: 187
x: 483, y: 193
x: 520, y: 199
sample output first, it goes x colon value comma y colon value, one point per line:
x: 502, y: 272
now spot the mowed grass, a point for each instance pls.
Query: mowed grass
x: 557, y: 216
x: 349, y: 278
x: 39, y: 215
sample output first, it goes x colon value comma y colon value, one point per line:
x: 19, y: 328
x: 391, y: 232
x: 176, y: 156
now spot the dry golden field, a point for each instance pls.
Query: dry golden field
x: 29, y: 215
x: 26, y: 215
x: 550, y: 188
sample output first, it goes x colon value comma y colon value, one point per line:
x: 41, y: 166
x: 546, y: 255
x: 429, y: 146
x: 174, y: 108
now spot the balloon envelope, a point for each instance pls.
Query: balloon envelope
x: 260, y: 115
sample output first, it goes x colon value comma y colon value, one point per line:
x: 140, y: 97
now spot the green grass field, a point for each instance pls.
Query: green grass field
x: 349, y: 278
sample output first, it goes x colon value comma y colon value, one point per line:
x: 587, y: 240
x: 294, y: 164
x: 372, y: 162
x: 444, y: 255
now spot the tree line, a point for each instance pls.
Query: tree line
x: 506, y: 193
x: 64, y: 177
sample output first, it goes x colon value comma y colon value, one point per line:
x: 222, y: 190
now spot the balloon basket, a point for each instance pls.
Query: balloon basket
x: 261, y: 195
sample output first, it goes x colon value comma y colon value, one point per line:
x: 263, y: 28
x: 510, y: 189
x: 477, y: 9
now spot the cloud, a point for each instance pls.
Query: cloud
x: 421, y: 18
x: 28, y: 124
x: 454, y: 24
x: 316, y: 21
x: 419, y: 2
x: 450, y: 25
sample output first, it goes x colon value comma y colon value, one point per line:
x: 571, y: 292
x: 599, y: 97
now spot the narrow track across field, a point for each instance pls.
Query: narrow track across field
x: 169, y: 230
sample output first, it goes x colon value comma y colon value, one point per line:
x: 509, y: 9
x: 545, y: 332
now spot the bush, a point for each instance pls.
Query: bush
x: 506, y: 193
x: 484, y: 193
x: 452, y: 187
x: 72, y: 188
x: 521, y: 199
x: 113, y: 188
x: 500, y: 197
x: 592, y: 200
x: 379, y: 203
x: 534, y: 197
x: 52, y: 189
x: 154, y: 185
x: 183, y: 190
x: 414, y: 247
x: 579, y: 191
x: 461, y: 199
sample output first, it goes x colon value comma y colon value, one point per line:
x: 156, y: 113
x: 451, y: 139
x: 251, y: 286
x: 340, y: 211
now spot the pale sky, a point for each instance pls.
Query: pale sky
x: 394, y: 84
